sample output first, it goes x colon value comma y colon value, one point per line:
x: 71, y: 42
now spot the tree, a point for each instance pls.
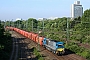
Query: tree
x: 18, y: 23
x: 30, y: 22
x: 5, y: 44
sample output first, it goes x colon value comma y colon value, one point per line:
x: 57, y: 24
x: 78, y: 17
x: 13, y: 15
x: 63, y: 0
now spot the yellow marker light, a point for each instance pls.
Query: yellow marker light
x: 60, y: 49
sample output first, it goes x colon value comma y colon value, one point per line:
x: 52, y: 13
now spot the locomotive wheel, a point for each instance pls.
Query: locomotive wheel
x: 58, y: 54
x: 54, y: 52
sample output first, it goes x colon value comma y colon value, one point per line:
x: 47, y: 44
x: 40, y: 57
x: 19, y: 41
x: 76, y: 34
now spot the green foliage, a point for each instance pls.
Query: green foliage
x: 38, y: 56
x: 1, y: 47
x: 5, y: 44
x: 1, y: 30
x: 86, y: 16
x: 78, y: 50
x: 41, y: 58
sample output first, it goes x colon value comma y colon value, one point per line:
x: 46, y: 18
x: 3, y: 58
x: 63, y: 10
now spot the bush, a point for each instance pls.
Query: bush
x: 39, y: 57
x: 78, y: 50
x: 5, y: 44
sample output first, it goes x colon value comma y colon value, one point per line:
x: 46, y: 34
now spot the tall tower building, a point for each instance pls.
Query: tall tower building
x: 76, y: 10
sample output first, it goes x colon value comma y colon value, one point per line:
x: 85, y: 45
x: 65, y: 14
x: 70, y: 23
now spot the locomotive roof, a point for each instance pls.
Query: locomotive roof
x: 56, y: 41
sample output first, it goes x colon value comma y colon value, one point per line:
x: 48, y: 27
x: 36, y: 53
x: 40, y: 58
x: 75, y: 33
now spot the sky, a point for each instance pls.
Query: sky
x: 12, y: 9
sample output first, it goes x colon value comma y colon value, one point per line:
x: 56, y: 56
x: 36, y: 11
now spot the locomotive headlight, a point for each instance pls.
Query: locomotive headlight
x: 60, y: 49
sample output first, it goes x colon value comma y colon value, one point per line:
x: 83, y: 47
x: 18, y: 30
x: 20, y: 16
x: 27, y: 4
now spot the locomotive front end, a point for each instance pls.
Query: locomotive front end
x: 60, y: 51
x: 60, y: 48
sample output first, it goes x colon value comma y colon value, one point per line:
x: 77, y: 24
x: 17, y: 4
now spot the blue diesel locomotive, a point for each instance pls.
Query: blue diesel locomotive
x: 55, y: 46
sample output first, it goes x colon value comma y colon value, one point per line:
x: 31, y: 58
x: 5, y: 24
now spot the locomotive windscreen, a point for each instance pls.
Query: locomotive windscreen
x: 60, y: 45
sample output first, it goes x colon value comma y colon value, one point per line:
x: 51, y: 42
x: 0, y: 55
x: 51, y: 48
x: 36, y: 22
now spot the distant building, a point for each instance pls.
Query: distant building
x: 52, y: 18
x: 40, y: 19
x: 76, y: 10
x: 18, y: 19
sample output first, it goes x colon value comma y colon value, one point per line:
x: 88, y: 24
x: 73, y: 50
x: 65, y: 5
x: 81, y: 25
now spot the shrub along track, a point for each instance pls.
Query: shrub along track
x: 87, y: 46
x: 26, y: 51
x: 84, y: 45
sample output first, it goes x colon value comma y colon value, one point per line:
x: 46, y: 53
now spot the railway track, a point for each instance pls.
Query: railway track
x: 25, y: 51
x: 14, y: 54
x: 26, y: 54
x: 22, y: 55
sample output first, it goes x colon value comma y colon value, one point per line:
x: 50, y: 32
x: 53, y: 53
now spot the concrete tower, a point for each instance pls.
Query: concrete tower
x: 76, y: 10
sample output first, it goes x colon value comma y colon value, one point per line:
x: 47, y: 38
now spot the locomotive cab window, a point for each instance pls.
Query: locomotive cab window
x: 60, y: 45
